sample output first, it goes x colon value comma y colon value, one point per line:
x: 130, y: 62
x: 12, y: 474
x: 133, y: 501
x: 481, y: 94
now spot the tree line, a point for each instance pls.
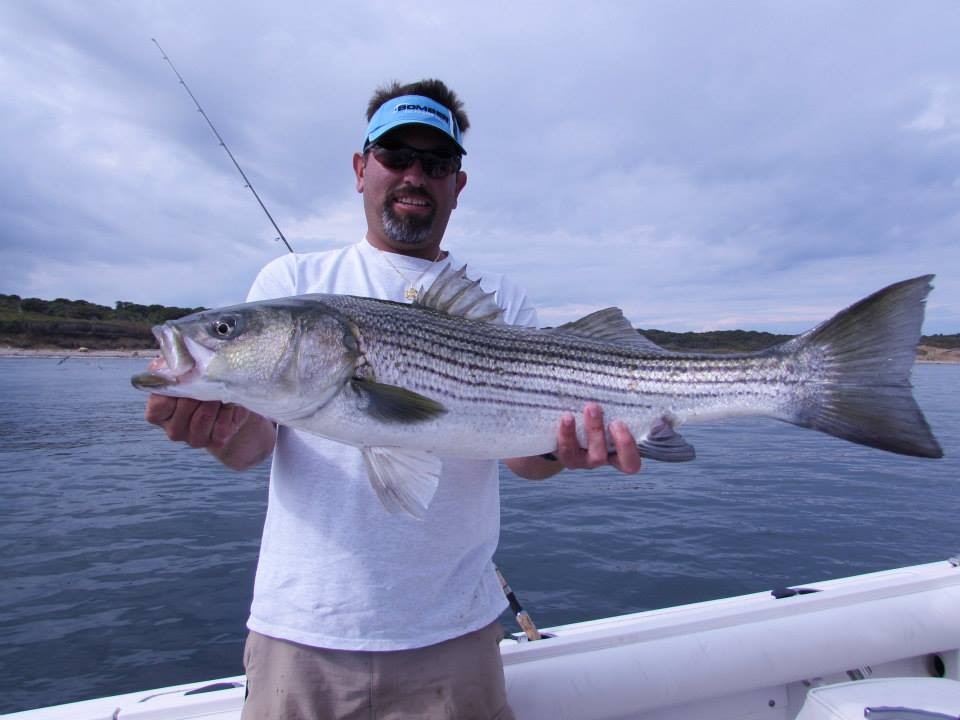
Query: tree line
x: 84, y: 310
x: 741, y: 340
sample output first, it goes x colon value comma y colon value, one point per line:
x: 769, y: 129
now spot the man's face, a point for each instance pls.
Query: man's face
x: 407, y: 210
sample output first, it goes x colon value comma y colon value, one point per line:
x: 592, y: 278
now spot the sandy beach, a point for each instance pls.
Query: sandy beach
x: 927, y: 353
x: 8, y: 351
x: 930, y: 354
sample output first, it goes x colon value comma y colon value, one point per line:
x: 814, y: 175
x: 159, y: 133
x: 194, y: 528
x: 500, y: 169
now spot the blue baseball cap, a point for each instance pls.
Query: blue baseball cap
x: 413, y: 109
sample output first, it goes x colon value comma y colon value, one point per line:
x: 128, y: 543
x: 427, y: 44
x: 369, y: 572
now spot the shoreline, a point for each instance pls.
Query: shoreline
x: 926, y: 355
x: 52, y: 353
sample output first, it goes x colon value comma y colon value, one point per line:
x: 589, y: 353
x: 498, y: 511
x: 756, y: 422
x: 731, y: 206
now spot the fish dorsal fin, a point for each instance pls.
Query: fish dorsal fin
x: 404, y: 480
x: 609, y: 325
x: 456, y: 294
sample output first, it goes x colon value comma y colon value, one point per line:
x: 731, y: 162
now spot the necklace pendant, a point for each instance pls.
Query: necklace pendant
x: 411, y: 294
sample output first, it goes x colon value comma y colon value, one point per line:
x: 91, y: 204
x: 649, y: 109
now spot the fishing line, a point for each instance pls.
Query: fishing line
x: 222, y: 144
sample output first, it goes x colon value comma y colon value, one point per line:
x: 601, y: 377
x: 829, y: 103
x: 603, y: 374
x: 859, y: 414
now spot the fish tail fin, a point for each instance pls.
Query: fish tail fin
x: 863, y: 356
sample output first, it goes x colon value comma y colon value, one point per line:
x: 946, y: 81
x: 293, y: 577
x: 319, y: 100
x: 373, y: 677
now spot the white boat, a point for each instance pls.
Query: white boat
x: 883, y: 645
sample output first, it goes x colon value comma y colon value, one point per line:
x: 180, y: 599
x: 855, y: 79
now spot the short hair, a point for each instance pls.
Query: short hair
x: 431, y: 88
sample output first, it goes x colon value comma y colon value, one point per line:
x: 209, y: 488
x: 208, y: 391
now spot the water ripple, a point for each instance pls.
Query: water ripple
x: 128, y: 562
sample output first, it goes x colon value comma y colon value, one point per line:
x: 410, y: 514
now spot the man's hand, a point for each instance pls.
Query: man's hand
x: 571, y: 455
x: 232, y: 434
x: 198, y: 424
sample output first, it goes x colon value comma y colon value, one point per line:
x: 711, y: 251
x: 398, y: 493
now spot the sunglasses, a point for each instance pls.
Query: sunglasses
x: 400, y: 157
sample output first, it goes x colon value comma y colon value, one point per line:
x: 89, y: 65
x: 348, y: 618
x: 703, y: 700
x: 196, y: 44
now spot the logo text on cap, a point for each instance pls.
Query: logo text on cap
x: 424, y: 108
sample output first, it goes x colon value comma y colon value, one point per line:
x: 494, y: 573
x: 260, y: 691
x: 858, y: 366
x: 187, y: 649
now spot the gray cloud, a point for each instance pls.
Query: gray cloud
x: 699, y: 164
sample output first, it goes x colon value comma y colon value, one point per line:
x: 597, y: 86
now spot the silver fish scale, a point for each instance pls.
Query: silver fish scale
x: 456, y: 360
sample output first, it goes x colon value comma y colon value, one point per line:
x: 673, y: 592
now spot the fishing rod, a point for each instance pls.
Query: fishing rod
x: 523, y: 619
x: 223, y: 144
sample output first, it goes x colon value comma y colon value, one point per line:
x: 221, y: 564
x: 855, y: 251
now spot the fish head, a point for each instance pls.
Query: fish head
x: 281, y: 358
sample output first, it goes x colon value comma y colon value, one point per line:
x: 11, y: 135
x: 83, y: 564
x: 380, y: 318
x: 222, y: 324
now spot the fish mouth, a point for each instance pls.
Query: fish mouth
x: 176, y: 366
x: 150, y: 381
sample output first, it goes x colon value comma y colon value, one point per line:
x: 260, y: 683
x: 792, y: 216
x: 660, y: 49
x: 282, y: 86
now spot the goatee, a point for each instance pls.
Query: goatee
x: 407, y: 229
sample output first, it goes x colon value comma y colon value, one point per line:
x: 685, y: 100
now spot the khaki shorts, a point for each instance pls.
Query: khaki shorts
x: 460, y: 678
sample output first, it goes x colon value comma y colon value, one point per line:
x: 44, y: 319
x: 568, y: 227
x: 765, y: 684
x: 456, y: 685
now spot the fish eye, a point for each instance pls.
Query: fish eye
x: 224, y: 327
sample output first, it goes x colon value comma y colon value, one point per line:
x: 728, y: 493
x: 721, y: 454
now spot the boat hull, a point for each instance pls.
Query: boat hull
x: 752, y: 656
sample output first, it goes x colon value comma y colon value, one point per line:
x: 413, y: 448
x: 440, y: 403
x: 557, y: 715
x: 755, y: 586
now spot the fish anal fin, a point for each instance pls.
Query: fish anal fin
x: 665, y: 444
x: 404, y: 480
x: 610, y: 325
x: 390, y: 403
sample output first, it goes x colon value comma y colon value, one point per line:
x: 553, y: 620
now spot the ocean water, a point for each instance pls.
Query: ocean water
x: 127, y: 561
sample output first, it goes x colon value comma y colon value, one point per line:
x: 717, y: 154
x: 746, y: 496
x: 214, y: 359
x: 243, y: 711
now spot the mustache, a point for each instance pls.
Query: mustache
x: 411, y: 190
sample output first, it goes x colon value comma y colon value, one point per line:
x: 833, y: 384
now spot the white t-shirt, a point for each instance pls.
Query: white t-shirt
x: 336, y: 569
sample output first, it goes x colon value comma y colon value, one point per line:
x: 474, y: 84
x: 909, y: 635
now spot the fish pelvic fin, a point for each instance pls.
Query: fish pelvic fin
x: 404, y: 480
x: 454, y: 293
x: 863, y: 356
x: 390, y: 403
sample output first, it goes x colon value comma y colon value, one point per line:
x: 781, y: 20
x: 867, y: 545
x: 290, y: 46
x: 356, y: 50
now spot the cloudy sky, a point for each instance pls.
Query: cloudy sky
x: 703, y: 165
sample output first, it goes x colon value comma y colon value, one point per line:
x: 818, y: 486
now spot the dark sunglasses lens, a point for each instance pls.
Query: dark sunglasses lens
x: 399, y: 159
x: 439, y: 166
x: 434, y: 165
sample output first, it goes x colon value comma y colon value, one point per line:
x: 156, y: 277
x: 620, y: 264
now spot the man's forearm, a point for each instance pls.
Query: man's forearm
x: 537, y: 467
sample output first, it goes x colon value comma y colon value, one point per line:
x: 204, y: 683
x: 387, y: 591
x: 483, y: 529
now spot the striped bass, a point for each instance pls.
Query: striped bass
x: 409, y: 384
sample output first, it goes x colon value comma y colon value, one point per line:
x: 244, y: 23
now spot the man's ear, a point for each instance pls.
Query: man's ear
x: 461, y: 183
x: 359, y: 165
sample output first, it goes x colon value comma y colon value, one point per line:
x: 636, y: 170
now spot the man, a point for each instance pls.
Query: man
x: 357, y: 612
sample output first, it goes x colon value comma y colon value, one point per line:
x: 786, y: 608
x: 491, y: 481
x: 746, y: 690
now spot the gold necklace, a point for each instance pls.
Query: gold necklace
x: 411, y: 293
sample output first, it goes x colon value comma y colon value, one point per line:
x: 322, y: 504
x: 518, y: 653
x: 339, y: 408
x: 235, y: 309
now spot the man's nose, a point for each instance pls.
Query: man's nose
x: 415, y: 174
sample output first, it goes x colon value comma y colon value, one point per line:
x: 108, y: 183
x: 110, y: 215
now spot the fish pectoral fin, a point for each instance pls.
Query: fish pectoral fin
x: 666, y: 444
x: 390, y: 403
x: 404, y: 480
